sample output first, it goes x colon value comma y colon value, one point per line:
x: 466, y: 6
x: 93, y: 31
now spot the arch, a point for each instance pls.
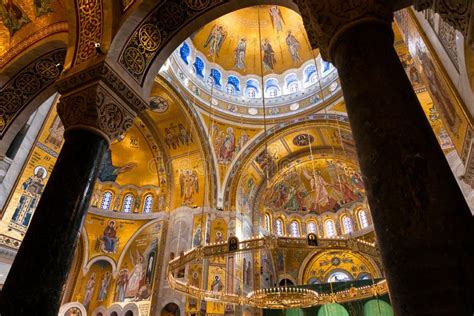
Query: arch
x: 100, y: 258
x: 333, y: 309
x: 347, y: 224
x: 148, y: 203
x: 107, y: 199
x: 172, y: 31
x: 329, y: 228
x: 311, y: 227
x: 363, y: 218
x: 128, y: 202
x: 38, y: 90
x: 295, y: 228
x: 267, y: 222
x: 280, y: 226
x: 131, y: 309
x: 72, y: 305
x: 254, y: 147
x: 285, y: 281
x: 377, y: 307
x: 170, y: 309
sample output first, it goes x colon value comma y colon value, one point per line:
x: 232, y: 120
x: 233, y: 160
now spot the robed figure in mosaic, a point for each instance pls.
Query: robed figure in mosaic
x: 32, y: 189
x: 294, y: 47
x: 239, y: 54
x: 269, y: 60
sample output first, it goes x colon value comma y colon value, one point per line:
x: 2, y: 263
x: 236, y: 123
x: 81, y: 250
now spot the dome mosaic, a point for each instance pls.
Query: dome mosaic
x: 234, y: 62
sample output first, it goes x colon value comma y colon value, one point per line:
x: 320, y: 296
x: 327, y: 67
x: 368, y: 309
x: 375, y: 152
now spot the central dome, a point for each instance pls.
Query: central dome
x: 233, y: 63
x: 233, y: 41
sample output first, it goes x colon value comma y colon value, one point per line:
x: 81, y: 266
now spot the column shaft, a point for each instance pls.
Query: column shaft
x: 36, y: 279
x: 422, y: 222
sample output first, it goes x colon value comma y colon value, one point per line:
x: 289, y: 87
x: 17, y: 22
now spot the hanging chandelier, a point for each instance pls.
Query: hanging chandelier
x: 281, y: 297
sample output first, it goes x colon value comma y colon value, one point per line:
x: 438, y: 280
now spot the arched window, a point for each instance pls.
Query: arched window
x: 279, y: 227
x: 311, y: 228
x: 148, y: 204
x: 330, y: 228
x: 347, y: 224
x: 267, y: 222
x: 106, y: 200
x: 363, y: 220
x: 127, y: 203
x: 272, y: 92
x: 251, y: 92
x: 294, y: 229
x: 230, y: 89
x: 293, y: 87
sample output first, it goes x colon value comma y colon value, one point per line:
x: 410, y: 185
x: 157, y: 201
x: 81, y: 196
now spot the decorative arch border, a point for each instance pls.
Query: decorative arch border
x: 376, y: 264
x: 100, y: 258
x: 64, y: 308
x: 232, y: 177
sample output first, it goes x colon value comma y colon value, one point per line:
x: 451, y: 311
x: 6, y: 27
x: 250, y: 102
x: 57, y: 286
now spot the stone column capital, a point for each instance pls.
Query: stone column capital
x: 97, y: 99
x: 327, y: 20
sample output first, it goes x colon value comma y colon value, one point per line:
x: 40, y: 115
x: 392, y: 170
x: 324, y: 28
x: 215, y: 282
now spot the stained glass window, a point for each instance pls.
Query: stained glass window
x: 106, y: 200
x: 311, y: 227
x: 147, y: 206
x: 267, y: 222
x: 330, y: 228
x: 279, y: 227
x: 295, y: 229
x: 347, y: 224
x: 363, y: 220
x: 127, y: 203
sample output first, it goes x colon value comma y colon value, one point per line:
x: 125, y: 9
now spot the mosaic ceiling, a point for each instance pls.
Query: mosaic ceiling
x: 233, y: 40
x: 23, y: 22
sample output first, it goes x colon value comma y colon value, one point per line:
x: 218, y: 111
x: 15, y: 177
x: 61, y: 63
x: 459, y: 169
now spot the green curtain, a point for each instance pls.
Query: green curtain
x: 377, y: 308
x: 332, y: 310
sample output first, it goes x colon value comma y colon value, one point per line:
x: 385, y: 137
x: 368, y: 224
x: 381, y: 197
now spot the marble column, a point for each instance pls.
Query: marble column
x: 422, y: 222
x: 93, y: 115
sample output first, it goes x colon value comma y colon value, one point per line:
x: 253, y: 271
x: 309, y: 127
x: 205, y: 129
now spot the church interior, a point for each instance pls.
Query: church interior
x: 209, y: 157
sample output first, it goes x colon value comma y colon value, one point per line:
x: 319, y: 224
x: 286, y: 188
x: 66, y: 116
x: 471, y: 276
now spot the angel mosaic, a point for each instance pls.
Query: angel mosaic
x: 189, y: 183
x: 276, y: 17
x: 215, y: 40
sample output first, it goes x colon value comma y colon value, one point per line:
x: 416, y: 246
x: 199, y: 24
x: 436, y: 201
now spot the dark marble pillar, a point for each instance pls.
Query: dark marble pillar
x: 34, y: 283
x: 93, y: 115
x: 423, y: 225
x: 422, y: 222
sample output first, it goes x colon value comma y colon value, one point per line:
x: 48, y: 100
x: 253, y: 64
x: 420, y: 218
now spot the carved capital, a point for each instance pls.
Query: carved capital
x: 108, y: 77
x: 326, y: 20
x: 96, y: 108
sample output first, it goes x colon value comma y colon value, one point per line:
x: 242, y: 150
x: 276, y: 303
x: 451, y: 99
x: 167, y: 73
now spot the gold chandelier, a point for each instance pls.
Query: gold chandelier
x: 275, y: 297
x: 283, y: 297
